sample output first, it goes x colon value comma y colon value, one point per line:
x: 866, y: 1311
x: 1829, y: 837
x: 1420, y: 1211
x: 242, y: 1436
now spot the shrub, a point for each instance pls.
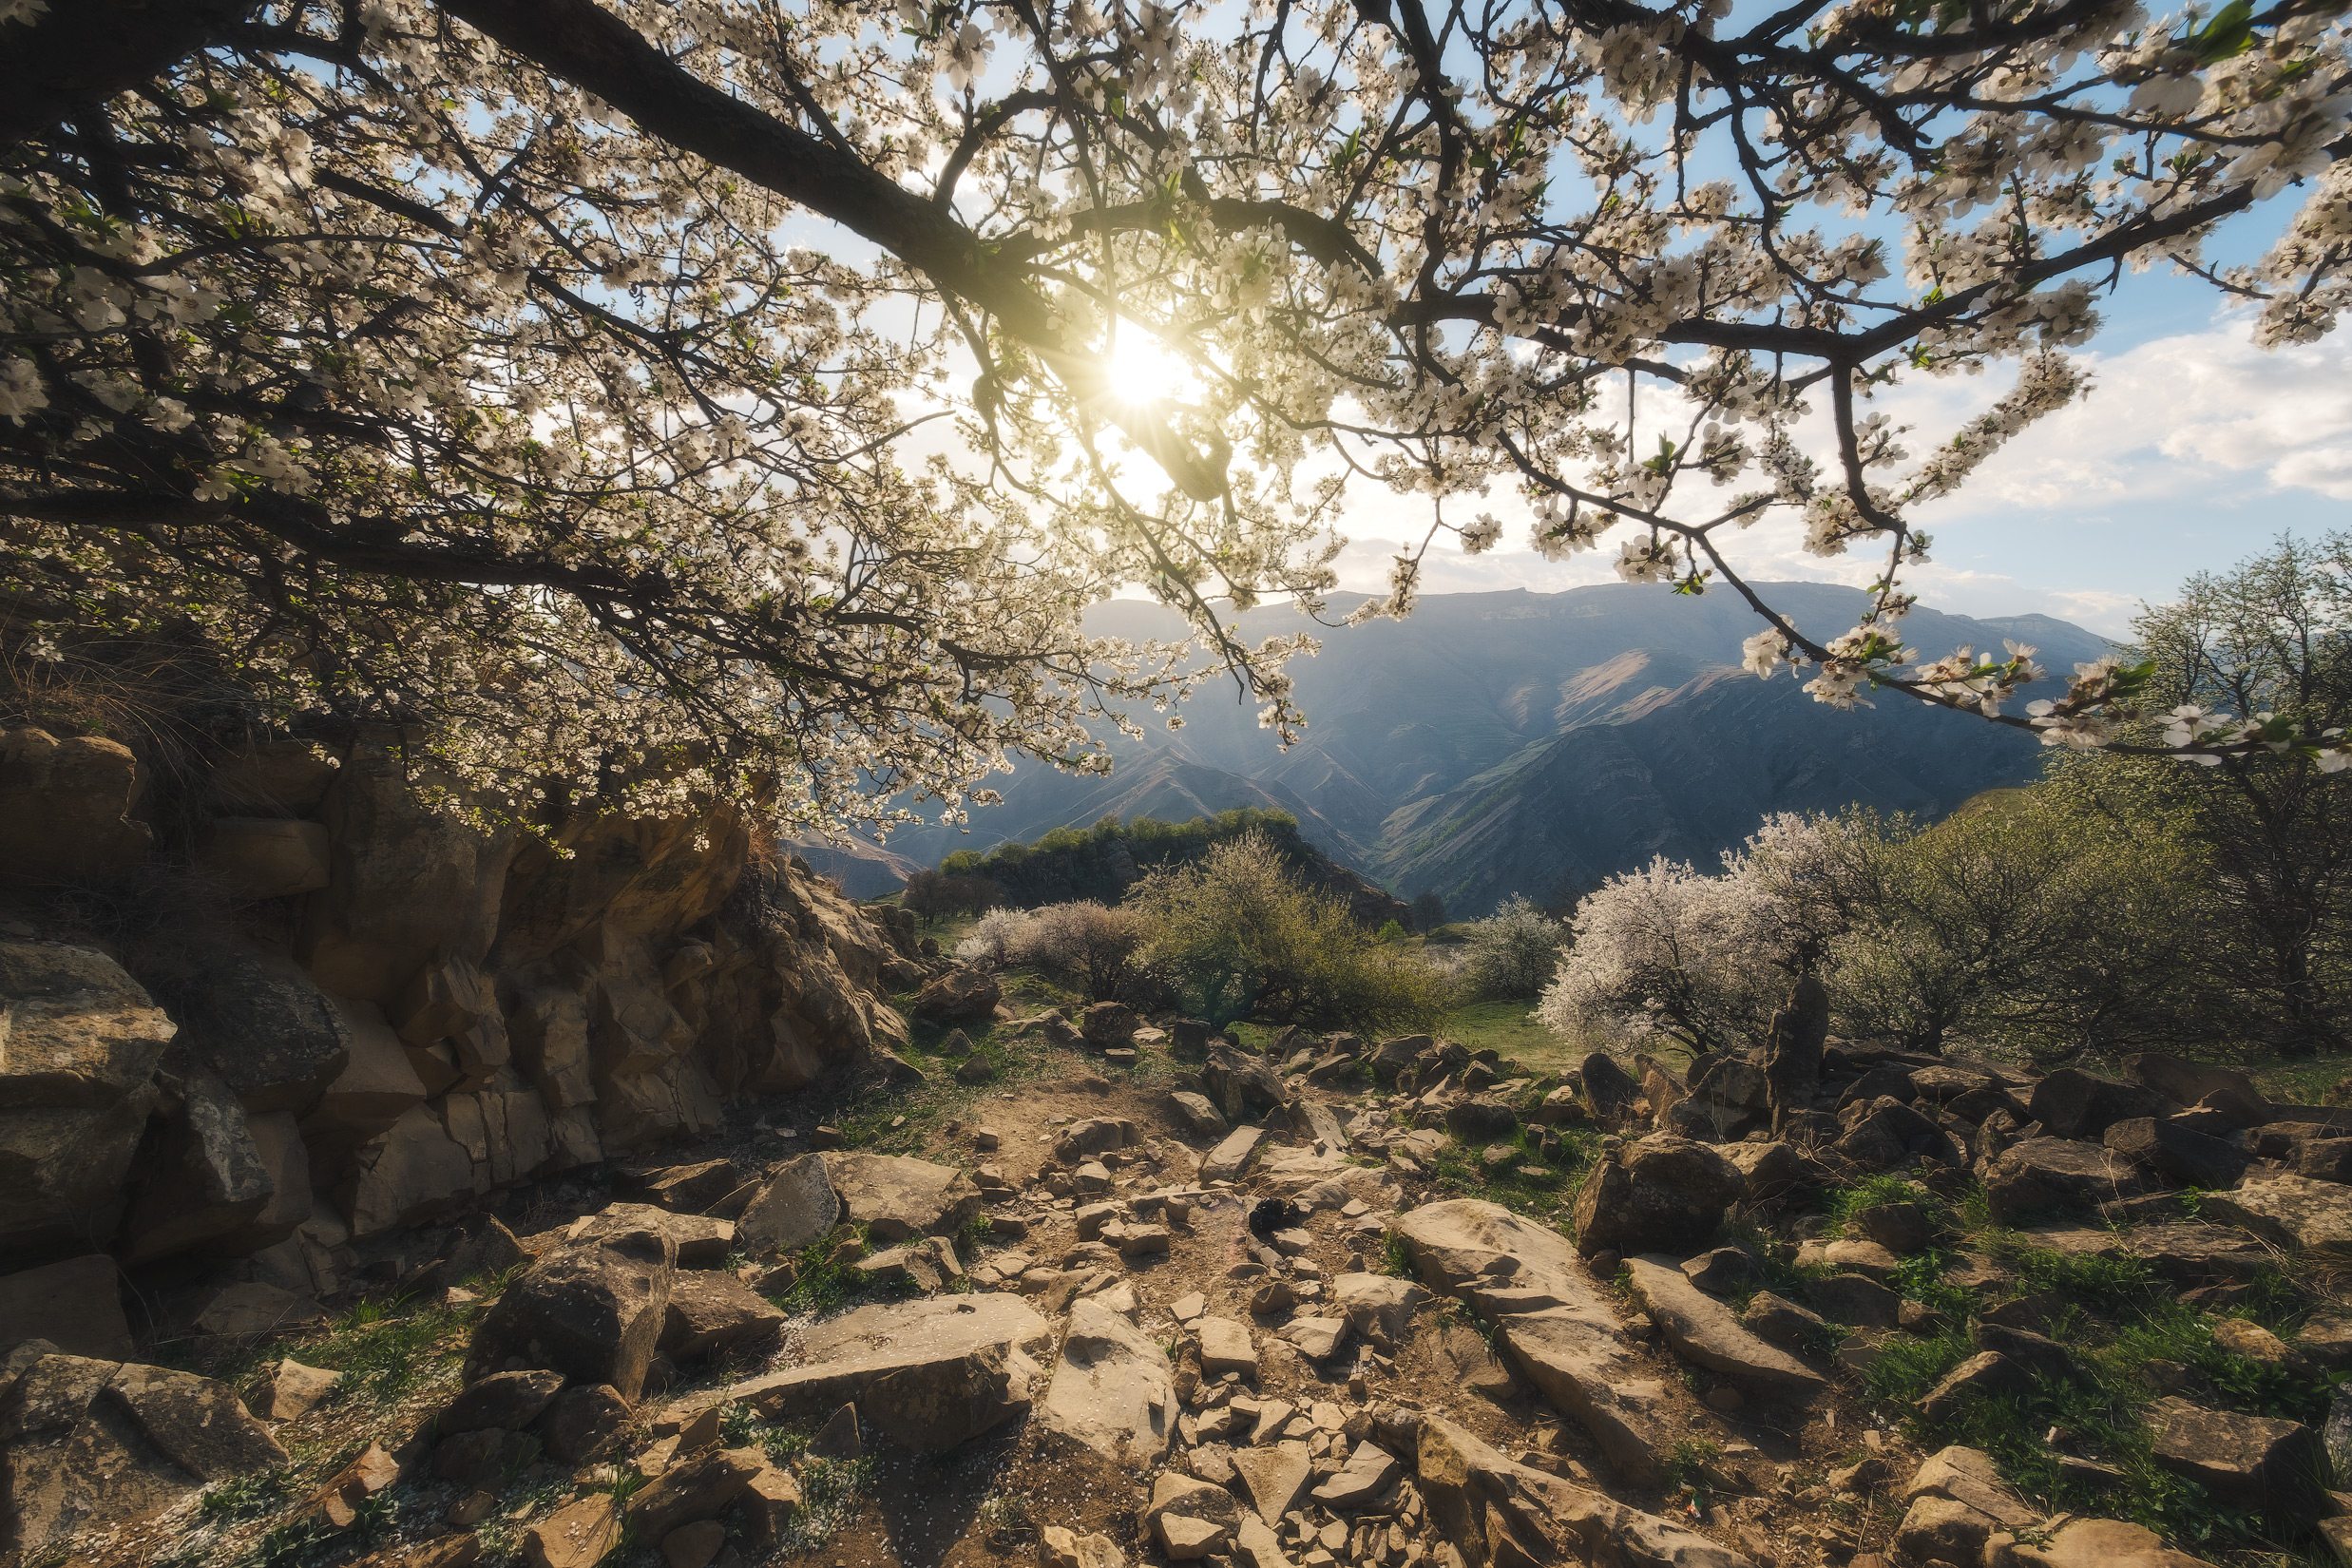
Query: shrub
x: 1514, y: 951
x: 1243, y: 937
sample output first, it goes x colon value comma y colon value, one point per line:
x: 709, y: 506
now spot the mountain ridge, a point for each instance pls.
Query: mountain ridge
x: 1500, y: 742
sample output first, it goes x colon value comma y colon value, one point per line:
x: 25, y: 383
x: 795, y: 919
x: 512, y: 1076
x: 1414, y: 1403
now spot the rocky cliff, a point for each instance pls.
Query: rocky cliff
x: 335, y: 1011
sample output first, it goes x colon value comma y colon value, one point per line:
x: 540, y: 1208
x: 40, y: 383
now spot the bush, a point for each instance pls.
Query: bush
x: 1512, y: 952
x: 1243, y: 937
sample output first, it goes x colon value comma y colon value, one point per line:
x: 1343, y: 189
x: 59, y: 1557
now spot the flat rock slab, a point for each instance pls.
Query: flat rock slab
x: 87, y: 1445
x: 2291, y: 1211
x: 1273, y: 1476
x: 796, y: 1208
x: 1556, y: 1326
x: 1226, y: 1346
x: 1369, y: 1473
x: 1703, y: 1332
x: 1113, y: 1391
x: 929, y: 1373
x: 898, y: 1198
x: 1233, y: 1155
x: 1521, y: 1514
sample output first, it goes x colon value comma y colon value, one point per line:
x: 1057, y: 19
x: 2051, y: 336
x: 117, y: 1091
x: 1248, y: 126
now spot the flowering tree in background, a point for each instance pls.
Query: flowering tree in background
x: 573, y: 380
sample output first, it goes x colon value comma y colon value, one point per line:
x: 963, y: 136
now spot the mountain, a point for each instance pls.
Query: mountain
x: 1501, y: 743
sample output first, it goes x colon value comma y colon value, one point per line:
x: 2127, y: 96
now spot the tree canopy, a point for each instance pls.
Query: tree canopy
x: 667, y: 398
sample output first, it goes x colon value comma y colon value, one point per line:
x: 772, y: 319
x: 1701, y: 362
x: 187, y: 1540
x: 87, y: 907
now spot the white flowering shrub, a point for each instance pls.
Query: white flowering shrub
x: 1514, y: 951
x: 575, y: 382
x: 1000, y: 938
x: 1669, y: 951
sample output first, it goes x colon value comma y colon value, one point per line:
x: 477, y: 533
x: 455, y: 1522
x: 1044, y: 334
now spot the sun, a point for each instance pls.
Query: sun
x: 1142, y: 371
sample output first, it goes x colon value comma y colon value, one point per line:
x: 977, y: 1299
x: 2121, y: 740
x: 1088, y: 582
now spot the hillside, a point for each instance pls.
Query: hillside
x: 1103, y: 861
x: 1496, y: 743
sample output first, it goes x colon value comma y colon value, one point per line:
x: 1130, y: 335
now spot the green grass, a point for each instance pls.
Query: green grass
x: 2297, y: 1080
x: 832, y: 1493
x: 244, y: 1496
x: 821, y: 1283
x: 383, y: 1346
x: 2119, y: 1317
x: 1506, y: 1027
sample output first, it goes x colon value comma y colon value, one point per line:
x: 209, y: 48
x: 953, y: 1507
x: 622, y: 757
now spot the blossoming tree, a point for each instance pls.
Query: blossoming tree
x: 763, y: 390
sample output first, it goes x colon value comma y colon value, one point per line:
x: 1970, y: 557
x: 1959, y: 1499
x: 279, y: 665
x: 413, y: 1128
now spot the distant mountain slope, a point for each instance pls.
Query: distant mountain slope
x: 1474, y: 749
x: 1685, y: 779
x: 864, y: 870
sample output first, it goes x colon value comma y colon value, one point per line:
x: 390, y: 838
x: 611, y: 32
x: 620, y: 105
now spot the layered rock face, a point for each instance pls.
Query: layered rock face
x: 406, y: 1011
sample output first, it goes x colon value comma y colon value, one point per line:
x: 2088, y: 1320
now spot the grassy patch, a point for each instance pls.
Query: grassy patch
x: 822, y: 1282
x: 243, y: 1496
x: 383, y: 1346
x: 832, y: 1493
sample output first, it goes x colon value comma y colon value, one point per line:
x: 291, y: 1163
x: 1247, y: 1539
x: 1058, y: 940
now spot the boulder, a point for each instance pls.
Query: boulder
x: 507, y: 1400
x: 960, y: 994
x: 1226, y: 1346
x: 593, y: 1309
x: 273, y: 1036
x: 1480, y: 1119
x: 291, y: 1390
x: 1240, y: 1083
x: 1497, y: 1514
x: 701, y: 1242
x: 82, y: 1043
x: 75, y: 1305
x: 209, y: 1179
x: 796, y: 1208
x: 931, y: 1374
x: 1395, y: 1055
x: 483, y: 1249
x: 582, y: 1421
x: 2178, y: 1154
x: 1896, y: 1227
x: 2037, y: 1174
x: 2187, y: 1081
x: 1274, y: 1475
x: 2289, y: 1211
x: 1199, y: 1117
x: 697, y: 1487
x: 1378, y: 1307
x: 896, y: 1197
x: 1232, y: 1157
x: 1106, y: 1025
x: 88, y: 1445
x: 2101, y: 1543
x: 1850, y: 1256
x: 1855, y: 1300
x: 579, y: 1534
x: 272, y: 778
x: 1368, y: 1477
x: 1552, y: 1321
x: 1703, y: 1332
x: 378, y: 1085
x: 1772, y: 1170
x: 254, y: 856
x: 1191, y: 1518
x: 2072, y: 1103
x: 408, y: 883
x: 1656, y: 1193
x: 66, y: 805
x: 1783, y: 1323
x: 2245, y: 1462
x: 770, y: 1502
x: 2042, y: 1357
x: 1059, y: 1547
x: 1317, y: 1338
x: 1113, y: 1392
x: 1986, y: 1375
x: 413, y: 1172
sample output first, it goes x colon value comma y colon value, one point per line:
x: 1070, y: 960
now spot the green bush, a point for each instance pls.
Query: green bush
x: 1243, y: 937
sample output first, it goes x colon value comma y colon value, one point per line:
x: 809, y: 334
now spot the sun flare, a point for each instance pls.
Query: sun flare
x: 1142, y: 371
